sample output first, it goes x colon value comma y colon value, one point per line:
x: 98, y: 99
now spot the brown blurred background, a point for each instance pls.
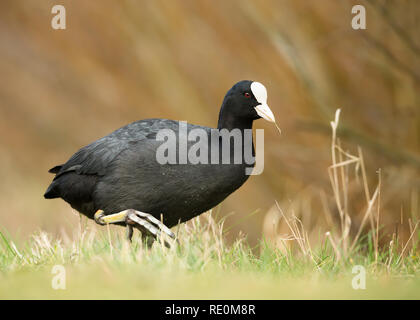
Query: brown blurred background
x: 120, y: 61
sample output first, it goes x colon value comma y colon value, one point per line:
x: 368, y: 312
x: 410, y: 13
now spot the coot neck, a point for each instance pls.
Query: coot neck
x: 229, y: 120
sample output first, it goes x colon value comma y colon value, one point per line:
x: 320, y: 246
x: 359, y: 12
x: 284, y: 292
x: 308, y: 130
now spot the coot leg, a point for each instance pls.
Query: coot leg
x: 148, y: 241
x: 145, y: 222
x: 129, y: 234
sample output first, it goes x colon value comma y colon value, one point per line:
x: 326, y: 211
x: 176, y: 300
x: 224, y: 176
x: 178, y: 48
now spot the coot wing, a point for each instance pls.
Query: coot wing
x: 94, y: 158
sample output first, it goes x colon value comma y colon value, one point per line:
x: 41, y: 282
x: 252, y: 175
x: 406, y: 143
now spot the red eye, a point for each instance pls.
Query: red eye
x: 246, y: 94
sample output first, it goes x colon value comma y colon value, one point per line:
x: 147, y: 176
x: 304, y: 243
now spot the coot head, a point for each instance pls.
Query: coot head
x: 248, y: 100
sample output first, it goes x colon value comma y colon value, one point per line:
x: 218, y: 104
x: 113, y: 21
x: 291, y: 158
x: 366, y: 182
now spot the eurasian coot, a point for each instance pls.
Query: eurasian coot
x: 130, y: 178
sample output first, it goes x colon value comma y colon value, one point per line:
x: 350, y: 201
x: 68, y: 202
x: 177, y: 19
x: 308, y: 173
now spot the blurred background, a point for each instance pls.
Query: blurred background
x: 121, y: 61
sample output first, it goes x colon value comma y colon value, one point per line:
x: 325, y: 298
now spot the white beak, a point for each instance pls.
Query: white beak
x: 265, y: 112
x: 260, y: 94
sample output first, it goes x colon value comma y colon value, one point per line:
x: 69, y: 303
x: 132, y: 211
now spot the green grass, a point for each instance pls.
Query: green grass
x: 101, y: 264
x: 203, y: 266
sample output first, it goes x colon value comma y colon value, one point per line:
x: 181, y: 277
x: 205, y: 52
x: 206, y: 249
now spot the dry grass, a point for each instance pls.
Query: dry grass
x: 346, y: 170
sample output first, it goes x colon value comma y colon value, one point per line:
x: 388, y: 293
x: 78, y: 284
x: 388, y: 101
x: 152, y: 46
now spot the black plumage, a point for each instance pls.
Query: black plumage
x: 120, y: 170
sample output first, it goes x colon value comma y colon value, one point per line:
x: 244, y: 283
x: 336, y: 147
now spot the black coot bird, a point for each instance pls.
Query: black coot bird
x: 120, y: 179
